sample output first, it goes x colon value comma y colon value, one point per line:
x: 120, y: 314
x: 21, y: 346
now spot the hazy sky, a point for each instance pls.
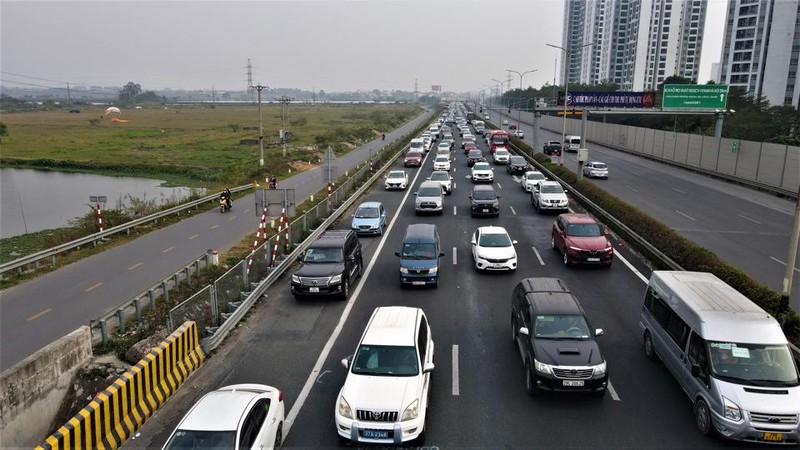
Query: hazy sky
x: 331, y: 45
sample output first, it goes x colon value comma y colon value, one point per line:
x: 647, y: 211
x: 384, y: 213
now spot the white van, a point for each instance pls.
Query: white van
x: 418, y: 144
x: 572, y: 143
x: 729, y: 356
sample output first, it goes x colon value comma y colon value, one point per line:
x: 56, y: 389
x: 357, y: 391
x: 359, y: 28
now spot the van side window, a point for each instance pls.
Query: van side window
x: 661, y: 312
x: 697, y: 352
x: 677, y: 329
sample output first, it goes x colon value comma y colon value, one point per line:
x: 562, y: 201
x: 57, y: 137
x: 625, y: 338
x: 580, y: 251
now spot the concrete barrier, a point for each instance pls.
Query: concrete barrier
x: 117, y: 412
x: 32, y: 390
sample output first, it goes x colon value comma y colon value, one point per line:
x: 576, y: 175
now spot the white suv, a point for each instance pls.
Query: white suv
x: 384, y: 399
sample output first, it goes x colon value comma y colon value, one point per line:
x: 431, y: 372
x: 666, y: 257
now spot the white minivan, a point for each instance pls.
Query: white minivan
x: 729, y: 356
x: 572, y: 143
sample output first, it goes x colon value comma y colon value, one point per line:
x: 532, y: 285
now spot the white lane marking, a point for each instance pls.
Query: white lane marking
x: 538, y: 256
x: 455, y: 370
x: 632, y: 188
x: 687, y: 216
x: 317, y: 369
x: 194, y: 236
x: 783, y: 263
x: 134, y: 266
x: 678, y: 190
x: 215, y: 226
x: 39, y: 314
x: 748, y: 218
x: 168, y: 249
x: 93, y: 287
x: 454, y: 169
x: 513, y: 211
x: 612, y: 391
x: 455, y: 210
x: 498, y: 186
x: 455, y: 256
x: 619, y: 256
x: 454, y: 185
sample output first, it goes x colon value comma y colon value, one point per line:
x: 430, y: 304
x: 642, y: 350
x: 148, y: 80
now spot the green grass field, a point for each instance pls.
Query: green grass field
x: 197, y: 145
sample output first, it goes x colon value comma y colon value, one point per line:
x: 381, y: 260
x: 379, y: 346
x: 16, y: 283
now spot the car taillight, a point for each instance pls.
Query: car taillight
x: 280, y: 396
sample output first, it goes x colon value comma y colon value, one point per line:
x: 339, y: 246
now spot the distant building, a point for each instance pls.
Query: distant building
x: 761, y: 48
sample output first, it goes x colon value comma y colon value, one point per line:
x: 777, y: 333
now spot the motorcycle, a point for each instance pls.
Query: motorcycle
x: 224, y: 205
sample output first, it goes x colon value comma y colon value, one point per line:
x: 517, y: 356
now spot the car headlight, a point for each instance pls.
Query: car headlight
x: 732, y: 410
x: 608, y: 249
x: 403, y: 269
x: 433, y: 269
x: 600, y: 369
x: 412, y: 412
x: 336, y: 279
x: 344, y: 408
x: 541, y: 367
x: 295, y: 279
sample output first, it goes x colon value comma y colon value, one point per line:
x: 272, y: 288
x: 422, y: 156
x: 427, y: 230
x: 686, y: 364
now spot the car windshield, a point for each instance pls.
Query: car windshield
x: 414, y: 155
x: 561, y: 326
x: 415, y: 250
x: 494, y: 240
x: 501, y: 152
x: 323, y: 255
x: 367, y: 212
x: 442, y: 159
x: 484, y: 194
x: 475, y: 154
x: 518, y: 160
x: 202, y: 440
x: 481, y: 166
x: 753, y: 364
x: 430, y: 191
x: 584, y: 230
x: 534, y: 176
x: 386, y: 360
x: 400, y: 175
x: 439, y: 176
x: 552, y: 189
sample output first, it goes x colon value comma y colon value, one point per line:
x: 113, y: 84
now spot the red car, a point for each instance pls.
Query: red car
x: 581, y: 240
x: 413, y: 159
x: 470, y: 146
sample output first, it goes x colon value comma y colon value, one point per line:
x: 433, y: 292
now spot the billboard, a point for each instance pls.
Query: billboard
x: 436, y: 88
x: 619, y: 99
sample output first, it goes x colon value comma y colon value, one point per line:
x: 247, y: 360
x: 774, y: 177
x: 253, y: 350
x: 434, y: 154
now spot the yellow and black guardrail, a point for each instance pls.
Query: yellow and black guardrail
x: 117, y: 412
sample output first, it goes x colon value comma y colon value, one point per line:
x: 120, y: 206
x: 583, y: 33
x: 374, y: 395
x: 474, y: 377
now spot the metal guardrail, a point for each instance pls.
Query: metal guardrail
x: 36, y: 258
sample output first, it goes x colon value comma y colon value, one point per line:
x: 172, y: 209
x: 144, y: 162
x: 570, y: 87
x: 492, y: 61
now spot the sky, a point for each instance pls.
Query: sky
x: 329, y: 45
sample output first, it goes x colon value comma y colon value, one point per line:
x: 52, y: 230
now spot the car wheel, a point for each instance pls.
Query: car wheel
x: 702, y: 417
x: 343, y: 442
x: 513, y: 331
x: 553, y: 242
x: 298, y: 297
x: 345, y: 289
x: 566, y: 259
x: 599, y: 394
x: 530, y: 382
x: 360, y: 267
x: 649, y: 351
x: 279, y: 436
x: 538, y: 208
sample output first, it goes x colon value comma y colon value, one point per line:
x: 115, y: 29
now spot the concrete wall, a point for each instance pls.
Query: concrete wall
x: 32, y: 390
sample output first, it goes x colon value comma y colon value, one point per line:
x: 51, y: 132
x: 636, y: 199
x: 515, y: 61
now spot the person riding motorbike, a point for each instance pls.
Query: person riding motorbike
x: 226, y: 195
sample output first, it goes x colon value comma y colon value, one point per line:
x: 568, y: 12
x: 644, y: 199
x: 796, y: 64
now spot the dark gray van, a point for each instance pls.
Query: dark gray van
x: 419, y: 256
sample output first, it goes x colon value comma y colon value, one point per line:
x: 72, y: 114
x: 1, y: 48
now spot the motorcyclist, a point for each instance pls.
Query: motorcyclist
x: 226, y: 195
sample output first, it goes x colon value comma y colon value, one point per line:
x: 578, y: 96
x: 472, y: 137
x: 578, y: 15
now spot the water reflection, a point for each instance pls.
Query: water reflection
x: 35, y: 200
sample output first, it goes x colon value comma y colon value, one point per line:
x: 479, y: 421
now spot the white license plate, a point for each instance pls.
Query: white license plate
x: 593, y: 259
x: 573, y: 383
x: 497, y: 266
x: 313, y: 289
x: 418, y: 283
x: 485, y: 210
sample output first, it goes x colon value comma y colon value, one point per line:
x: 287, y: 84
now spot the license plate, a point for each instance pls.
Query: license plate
x: 498, y: 266
x: 485, y: 210
x: 418, y: 283
x: 773, y: 437
x: 593, y: 259
x: 573, y: 383
x: 313, y: 289
x: 376, y: 434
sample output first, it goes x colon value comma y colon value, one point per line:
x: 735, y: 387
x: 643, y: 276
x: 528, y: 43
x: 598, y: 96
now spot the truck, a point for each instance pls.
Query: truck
x: 498, y: 139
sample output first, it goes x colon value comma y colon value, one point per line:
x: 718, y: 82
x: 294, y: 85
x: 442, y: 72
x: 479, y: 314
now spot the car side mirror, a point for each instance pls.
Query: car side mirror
x: 524, y: 331
x: 513, y: 242
x: 346, y: 362
x: 499, y: 196
x: 429, y: 179
x: 441, y: 254
x: 428, y: 368
x: 470, y: 196
x: 396, y: 253
x: 598, y: 332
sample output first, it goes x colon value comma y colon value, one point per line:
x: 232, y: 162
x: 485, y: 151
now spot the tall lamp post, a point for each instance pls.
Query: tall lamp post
x: 566, y: 93
x: 500, y: 83
x: 519, y: 108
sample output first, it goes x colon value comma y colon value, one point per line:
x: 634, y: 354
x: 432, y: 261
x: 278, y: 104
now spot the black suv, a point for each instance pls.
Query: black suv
x: 484, y: 201
x: 517, y: 165
x: 474, y: 156
x: 552, y: 148
x: 330, y: 265
x: 555, y: 340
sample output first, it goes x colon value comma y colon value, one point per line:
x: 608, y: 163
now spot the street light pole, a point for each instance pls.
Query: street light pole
x: 519, y: 109
x: 566, y: 95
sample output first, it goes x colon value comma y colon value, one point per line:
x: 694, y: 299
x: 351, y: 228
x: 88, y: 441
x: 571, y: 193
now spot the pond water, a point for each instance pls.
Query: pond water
x: 34, y: 200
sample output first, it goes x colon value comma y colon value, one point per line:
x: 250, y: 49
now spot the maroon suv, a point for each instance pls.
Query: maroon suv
x: 413, y: 159
x: 581, y: 240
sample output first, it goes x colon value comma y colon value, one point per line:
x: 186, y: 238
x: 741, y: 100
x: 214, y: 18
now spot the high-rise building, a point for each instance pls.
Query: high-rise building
x: 635, y: 43
x: 761, y: 48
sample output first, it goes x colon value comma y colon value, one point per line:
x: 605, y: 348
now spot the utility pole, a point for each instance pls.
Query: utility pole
x: 284, y: 101
x: 790, y: 261
x: 259, y: 88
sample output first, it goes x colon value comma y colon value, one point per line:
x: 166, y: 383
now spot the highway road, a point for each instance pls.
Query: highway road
x: 747, y: 228
x: 39, y: 311
x: 478, y: 396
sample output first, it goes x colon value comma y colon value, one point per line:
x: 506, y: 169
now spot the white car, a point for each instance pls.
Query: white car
x: 442, y: 162
x: 501, y: 156
x: 241, y: 416
x: 595, y: 169
x: 384, y: 399
x: 482, y: 171
x: 518, y: 133
x: 442, y: 147
x: 444, y: 179
x: 396, y: 179
x: 549, y: 195
x: 530, y: 179
x: 493, y: 249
